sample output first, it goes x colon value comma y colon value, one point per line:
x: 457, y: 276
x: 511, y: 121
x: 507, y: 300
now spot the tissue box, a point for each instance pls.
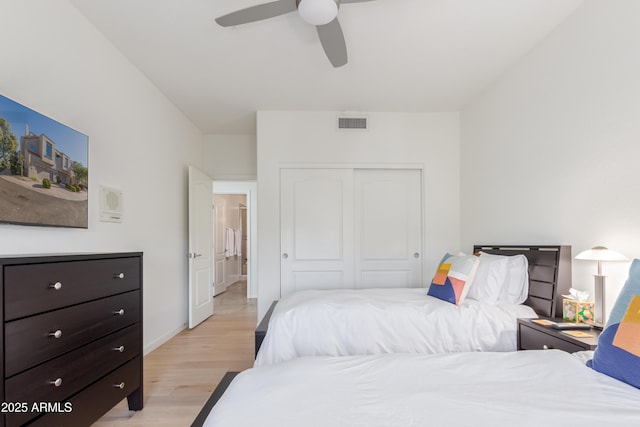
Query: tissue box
x: 577, y: 311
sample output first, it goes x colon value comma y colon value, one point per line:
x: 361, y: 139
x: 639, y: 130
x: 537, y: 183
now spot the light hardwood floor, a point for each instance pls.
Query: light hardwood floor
x: 180, y: 375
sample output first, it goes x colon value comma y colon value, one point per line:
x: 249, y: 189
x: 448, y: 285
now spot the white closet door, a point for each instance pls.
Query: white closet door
x: 388, y: 231
x: 316, y: 229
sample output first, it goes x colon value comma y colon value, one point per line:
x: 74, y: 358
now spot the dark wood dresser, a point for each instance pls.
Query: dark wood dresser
x: 72, y: 337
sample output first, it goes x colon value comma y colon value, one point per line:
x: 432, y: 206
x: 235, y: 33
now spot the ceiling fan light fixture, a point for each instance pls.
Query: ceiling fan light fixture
x: 318, y: 12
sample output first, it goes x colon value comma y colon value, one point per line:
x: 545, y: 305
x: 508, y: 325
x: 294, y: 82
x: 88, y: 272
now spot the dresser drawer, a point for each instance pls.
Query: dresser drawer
x: 73, y: 371
x: 91, y: 403
x: 532, y: 339
x: 31, y: 341
x: 36, y: 288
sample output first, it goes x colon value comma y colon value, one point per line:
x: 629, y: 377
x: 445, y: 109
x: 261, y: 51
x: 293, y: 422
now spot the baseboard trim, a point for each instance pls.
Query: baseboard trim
x: 162, y: 339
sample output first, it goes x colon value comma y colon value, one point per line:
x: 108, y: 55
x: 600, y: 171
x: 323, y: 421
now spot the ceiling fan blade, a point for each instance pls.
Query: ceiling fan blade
x: 332, y: 40
x: 257, y: 13
x: 353, y: 1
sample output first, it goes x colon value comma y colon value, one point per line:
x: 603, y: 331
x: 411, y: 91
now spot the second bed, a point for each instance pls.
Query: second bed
x: 377, y: 321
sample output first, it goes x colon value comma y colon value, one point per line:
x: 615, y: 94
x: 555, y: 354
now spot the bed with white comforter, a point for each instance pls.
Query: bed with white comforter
x: 373, y: 321
x: 527, y: 388
x: 472, y: 304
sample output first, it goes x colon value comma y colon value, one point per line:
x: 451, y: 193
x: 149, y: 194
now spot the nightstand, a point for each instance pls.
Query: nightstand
x: 532, y: 336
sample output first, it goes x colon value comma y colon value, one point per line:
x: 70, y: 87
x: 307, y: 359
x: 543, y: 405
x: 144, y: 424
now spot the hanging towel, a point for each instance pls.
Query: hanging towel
x: 230, y: 245
x: 238, y: 240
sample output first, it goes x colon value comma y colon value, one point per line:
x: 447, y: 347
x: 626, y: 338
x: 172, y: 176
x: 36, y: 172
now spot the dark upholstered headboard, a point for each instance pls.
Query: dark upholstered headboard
x: 549, y: 274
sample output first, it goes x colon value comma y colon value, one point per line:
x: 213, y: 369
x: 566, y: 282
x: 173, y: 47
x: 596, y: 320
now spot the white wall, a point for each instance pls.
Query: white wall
x: 55, y: 62
x: 230, y: 157
x: 549, y: 154
x: 430, y: 141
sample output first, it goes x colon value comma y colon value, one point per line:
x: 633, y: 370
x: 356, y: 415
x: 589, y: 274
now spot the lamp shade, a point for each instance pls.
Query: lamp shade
x: 318, y: 12
x: 600, y: 253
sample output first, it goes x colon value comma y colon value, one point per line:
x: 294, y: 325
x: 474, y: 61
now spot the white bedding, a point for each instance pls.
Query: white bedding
x: 526, y: 388
x: 373, y: 321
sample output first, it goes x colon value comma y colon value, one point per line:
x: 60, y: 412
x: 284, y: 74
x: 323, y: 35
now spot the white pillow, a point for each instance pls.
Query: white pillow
x: 501, y: 279
x: 490, y: 279
x: 518, y: 282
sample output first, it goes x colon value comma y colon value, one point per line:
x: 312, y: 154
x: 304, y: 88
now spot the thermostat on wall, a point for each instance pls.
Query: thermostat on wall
x: 110, y: 204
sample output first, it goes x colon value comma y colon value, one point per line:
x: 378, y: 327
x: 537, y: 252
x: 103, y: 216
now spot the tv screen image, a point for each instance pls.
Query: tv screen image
x: 44, y: 174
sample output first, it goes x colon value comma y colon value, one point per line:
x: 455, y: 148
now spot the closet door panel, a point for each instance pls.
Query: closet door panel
x: 322, y: 280
x: 317, y: 220
x: 388, y: 236
x: 316, y: 208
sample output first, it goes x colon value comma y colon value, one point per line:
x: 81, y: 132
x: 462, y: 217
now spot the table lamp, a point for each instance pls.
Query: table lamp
x: 600, y: 254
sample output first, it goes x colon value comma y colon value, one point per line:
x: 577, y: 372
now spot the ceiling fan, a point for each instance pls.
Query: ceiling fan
x: 321, y: 13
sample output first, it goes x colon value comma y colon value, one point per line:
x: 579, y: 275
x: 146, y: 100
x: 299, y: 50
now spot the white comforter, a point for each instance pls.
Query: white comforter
x: 526, y: 388
x: 373, y: 321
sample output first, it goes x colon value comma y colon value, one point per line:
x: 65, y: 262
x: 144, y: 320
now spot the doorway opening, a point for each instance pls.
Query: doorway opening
x: 234, y: 233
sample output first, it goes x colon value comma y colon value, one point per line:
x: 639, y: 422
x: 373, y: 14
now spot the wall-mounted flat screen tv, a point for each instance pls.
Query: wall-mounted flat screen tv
x: 44, y: 172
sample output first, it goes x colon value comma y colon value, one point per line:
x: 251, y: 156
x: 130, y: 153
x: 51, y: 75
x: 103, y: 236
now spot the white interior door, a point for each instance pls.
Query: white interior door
x: 388, y: 236
x: 200, y: 247
x: 316, y: 229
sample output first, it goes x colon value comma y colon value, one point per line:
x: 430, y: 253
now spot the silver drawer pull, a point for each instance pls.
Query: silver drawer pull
x: 56, y: 286
x: 118, y: 276
x: 120, y: 349
x: 57, y: 382
x: 119, y: 312
x: 56, y: 334
x: 120, y: 386
x: 545, y: 347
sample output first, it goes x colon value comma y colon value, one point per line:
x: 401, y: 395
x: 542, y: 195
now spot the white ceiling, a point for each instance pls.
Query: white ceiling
x: 404, y: 55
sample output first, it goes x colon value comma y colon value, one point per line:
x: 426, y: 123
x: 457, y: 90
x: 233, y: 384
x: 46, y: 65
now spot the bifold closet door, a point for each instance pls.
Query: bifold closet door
x: 316, y: 226
x: 388, y: 236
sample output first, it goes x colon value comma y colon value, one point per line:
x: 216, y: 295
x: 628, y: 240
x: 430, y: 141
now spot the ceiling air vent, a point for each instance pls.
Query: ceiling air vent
x: 352, y: 123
